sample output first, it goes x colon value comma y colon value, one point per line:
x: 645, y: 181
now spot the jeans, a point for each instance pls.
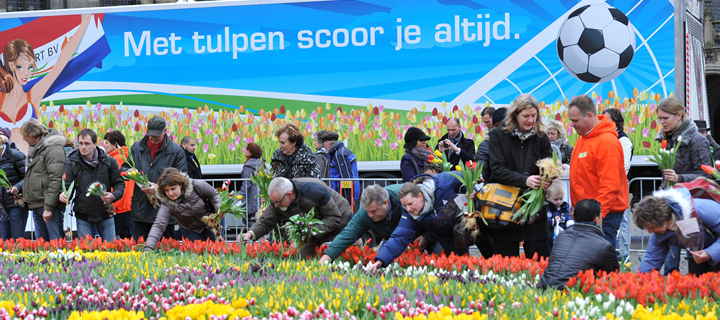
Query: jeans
x: 105, y: 228
x: 672, y: 261
x: 142, y: 229
x: 624, y: 236
x: 50, y: 230
x: 14, y: 225
x: 610, y: 226
x: 206, y: 234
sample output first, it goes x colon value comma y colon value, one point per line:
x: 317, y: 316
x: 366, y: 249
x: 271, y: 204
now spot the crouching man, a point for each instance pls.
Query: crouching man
x: 300, y: 195
x: 580, y: 247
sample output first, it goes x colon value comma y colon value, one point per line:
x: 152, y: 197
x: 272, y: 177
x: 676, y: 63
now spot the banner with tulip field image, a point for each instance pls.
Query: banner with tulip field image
x: 229, y: 73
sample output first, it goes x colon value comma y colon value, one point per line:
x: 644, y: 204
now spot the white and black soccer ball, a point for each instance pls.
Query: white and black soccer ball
x: 596, y: 43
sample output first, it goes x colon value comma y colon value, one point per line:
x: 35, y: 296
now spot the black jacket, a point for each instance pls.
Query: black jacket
x: 510, y: 164
x: 467, y: 150
x: 579, y: 248
x: 92, y: 208
x: 13, y: 163
x: 169, y: 155
x: 193, y: 166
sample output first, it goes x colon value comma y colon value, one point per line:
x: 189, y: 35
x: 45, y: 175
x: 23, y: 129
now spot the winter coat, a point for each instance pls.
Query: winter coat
x: 188, y: 209
x: 563, y: 149
x: 13, y: 163
x: 694, y: 151
x: 168, y: 155
x: 467, y: 150
x: 91, y: 208
x: 579, y: 248
x: 511, y: 162
x: 43, y: 177
x: 330, y: 207
x: 323, y: 162
x: 361, y: 223
x: 343, y: 164
x: 682, y: 206
x: 124, y: 204
x: 301, y: 164
x: 193, y: 165
x: 483, y: 155
x: 248, y: 189
x: 627, y: 147
x: 598, y: 169
x: 438, y: 190
x: 715, y: 147
x: 408, y: 165
x: 563, y: 223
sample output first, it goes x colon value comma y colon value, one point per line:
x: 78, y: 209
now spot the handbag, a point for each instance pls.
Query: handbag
x: 498, y: 203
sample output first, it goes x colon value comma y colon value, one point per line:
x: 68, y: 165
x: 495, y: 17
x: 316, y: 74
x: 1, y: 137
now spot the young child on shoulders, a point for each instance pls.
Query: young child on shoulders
x: 558, y: 211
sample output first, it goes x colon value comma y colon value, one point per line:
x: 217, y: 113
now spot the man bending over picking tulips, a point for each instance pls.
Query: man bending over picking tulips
x: 297, y: 197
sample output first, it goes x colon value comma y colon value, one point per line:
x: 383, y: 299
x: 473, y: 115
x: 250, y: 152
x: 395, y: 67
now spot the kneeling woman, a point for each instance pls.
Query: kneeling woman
x: 182, y: 198
x: 659, y: 215
x: 423, y: 202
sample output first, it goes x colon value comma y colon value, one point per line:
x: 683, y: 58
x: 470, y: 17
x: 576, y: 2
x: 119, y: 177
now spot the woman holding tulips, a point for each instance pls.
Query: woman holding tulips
x: 514, y: 151
x: 184, y: 199
x: 693, y: 150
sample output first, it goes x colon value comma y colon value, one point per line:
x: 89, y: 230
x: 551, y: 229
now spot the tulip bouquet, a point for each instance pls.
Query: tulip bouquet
x: 262, y: 178
x: 133, y: 174
x: 98, y: 189
x: 534, y: 199
x: 440, y: 159
x: 230, y: 203
x: 471, y: 173
x: 302, y: 227
x: 712, y: 171
x: 666, y: 158
x: 4, y: 182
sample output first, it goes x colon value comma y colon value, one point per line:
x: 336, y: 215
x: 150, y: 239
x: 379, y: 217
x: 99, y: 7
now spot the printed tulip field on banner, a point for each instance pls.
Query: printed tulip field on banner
x: 91, y: 279
x: 373, y: 133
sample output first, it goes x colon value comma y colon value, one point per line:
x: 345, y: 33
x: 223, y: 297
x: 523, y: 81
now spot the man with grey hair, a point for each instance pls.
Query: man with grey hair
x: 299, y: 196
x: 380, y: 212
x: 454, y: 144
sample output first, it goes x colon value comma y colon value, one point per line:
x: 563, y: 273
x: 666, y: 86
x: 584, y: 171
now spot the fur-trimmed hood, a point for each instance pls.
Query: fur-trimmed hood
x: 162, y: 197
x: 680, y: 201
x: 427, y: 187
x: 686, y: 130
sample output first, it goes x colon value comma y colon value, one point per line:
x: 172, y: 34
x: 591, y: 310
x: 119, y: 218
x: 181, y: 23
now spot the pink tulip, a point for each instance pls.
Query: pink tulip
x: 645, y: 132
x: 378, y: 142
x: 313, y: 115
x: 208, y: 131
x: 231, y: 146
x: 206, y: 147
x: 217, y: 140
x: 237, y: 140
x: 393, y: 146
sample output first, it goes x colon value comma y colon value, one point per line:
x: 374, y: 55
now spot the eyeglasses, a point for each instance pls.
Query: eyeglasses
x: 281, y: 200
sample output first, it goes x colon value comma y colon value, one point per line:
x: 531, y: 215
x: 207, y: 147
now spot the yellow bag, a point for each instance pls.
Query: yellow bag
x: 498, y: 203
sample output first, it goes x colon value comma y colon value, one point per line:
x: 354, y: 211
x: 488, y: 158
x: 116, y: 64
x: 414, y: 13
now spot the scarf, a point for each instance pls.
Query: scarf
x: 154, y: 148
x: 523, y: 136
x: 457, y: 139
x: 421, y: 153
x: 556, y: 147
x: 91, y: 162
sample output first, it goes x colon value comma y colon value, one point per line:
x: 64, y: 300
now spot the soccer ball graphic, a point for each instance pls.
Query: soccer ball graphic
x: 596, y: 43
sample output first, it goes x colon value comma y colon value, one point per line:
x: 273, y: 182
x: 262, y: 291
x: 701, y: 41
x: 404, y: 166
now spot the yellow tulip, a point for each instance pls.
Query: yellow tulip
x: 211, y: 156
x: 239, y: 197
x: 458, y: 168
x: 438, y: 153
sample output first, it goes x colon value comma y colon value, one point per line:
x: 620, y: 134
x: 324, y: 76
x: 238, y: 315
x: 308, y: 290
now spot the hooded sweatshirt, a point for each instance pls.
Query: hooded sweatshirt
x: 598, y: 169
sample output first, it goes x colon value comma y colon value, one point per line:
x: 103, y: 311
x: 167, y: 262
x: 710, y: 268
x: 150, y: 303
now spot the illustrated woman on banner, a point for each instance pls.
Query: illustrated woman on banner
x: 16, y: 105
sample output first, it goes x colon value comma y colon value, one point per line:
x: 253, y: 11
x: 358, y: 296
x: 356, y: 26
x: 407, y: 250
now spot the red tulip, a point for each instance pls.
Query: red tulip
x: 708, y: 169
x: 664, y: 144
x: 646, y: 144
x: 64, y: 176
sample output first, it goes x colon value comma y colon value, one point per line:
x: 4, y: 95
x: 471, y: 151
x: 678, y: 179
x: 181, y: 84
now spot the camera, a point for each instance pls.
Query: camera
x: 446, y: 145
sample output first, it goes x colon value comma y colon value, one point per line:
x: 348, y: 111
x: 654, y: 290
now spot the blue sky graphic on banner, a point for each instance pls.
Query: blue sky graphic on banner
x: 458, y: 51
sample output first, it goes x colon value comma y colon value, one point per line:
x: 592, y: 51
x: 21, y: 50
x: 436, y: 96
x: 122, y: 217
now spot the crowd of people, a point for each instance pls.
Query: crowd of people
x: 575, y: 236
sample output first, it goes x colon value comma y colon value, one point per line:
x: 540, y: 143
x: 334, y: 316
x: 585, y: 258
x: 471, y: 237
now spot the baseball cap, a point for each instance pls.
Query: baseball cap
x: 156, y: 126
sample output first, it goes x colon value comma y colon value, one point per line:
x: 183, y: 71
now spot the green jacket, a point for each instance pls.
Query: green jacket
x: 43, y: 178
x: 361, y: 223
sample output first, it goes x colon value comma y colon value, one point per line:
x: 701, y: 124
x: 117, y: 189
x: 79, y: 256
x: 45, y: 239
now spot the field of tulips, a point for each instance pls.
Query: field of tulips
x: 374, y: 133
x: 218, y: 280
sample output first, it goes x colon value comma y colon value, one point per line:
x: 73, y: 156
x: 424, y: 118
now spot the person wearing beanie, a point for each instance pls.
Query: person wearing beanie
x: 321, y: 154
x: 343, y: 165
x: 416, y: 153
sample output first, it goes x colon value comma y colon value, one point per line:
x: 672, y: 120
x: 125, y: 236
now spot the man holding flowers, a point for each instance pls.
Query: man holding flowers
x: 598, y: 165
x: 298, y: 197
x: 88, y: 165
x: 152, y: 154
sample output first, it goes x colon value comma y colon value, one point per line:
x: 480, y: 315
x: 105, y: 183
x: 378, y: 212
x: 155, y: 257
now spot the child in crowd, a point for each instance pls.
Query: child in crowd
x: 558, y: 211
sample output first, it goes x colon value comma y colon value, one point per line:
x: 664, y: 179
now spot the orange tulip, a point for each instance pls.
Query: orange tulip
x: 635, y: 92
x: 199, y: 110
x: 187, y: 120
x: 276, y: 111
x: 397, y: 116
x: 363, y: 137
x: 141, y: 116
x: 207, y: 109
x: 658, y: 97
x: 113, y: 107
x: 106, y: 111
x: 663, y: 144
x: 241, y: 109
x: 124, y: 123
x: 211, y: 116
x: 80, y: 110
x: 319, y: 110
x: 250, y: 119
x: 611, y: 94
x: 162, y: 114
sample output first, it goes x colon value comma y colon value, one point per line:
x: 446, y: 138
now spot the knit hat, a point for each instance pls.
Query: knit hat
x: 5, y: 132
x: 499, y: 115
x: 329, y: 136
x: 415, y: 134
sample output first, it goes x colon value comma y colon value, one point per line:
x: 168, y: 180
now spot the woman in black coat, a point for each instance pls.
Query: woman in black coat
x: 13, y: 217
x: 514, y: 150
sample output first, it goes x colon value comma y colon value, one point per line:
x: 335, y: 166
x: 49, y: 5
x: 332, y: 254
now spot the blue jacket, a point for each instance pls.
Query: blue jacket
x: 680, y: 202
x: 409, y: 228
x: 343, y: 164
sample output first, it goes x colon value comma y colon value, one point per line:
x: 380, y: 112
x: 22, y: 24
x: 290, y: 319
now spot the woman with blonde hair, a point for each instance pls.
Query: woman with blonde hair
x: 514, y: 150
x: 556, y: 133
x: 679, y: 131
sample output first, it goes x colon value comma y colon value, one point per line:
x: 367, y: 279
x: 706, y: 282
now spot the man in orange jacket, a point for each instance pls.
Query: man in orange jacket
x: 114, y: 144
x: 597, y: 166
